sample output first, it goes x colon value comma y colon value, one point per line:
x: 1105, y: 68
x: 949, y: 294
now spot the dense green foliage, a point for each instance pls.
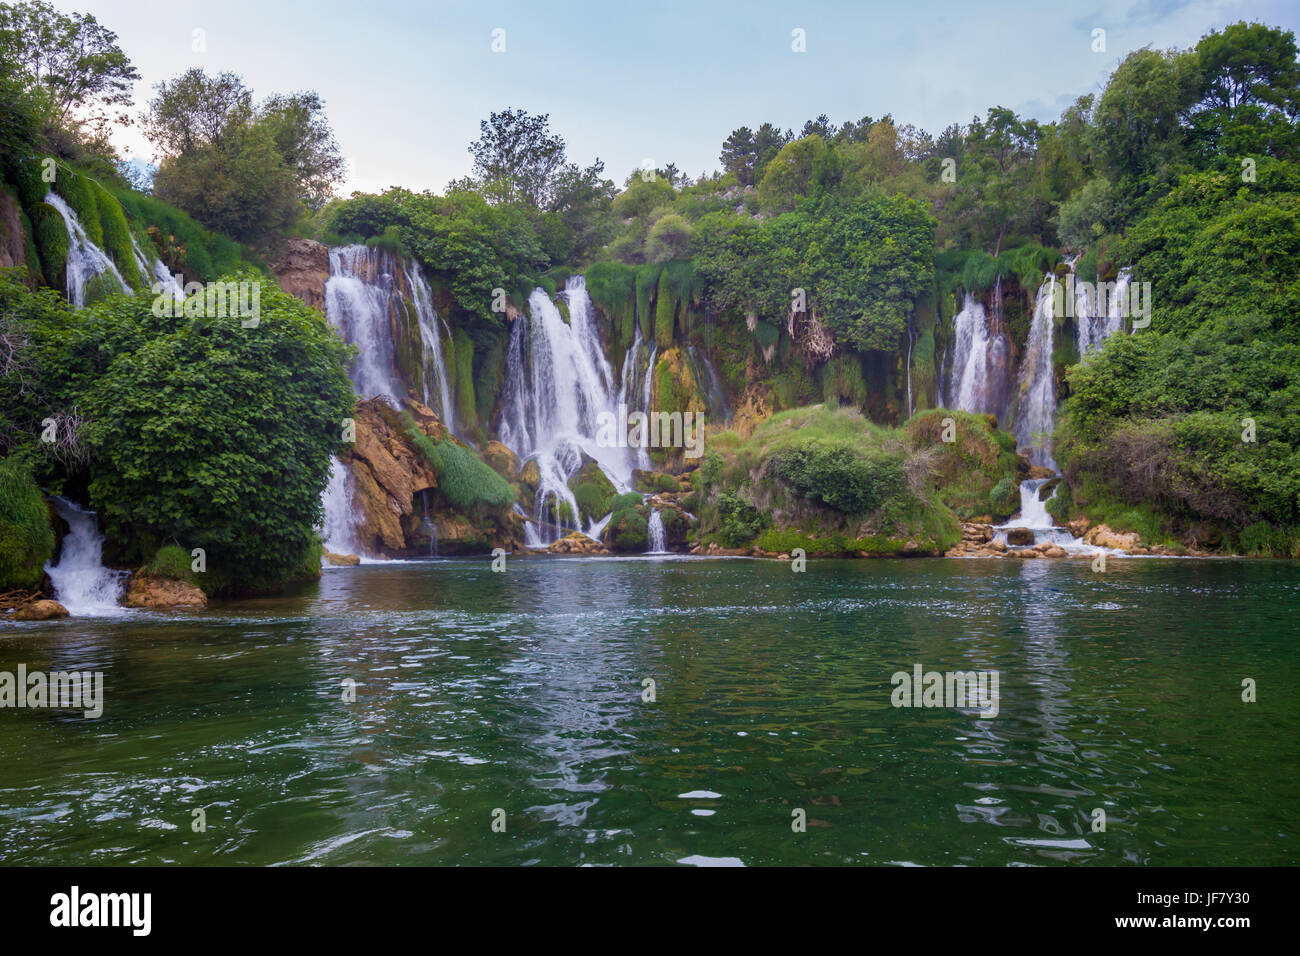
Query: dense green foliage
x: 26, y: 536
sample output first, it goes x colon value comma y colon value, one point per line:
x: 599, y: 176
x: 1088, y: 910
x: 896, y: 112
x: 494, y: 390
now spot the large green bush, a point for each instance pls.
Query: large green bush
x: 839, y: 477
x: 216, y: 436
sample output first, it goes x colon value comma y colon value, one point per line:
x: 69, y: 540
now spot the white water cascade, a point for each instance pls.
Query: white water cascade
x: 980, y: 362
x: 365, y: 299
x: 81, y: 582
x: 1100, y: 314
x: 1036, y: 408
x: 655, y: 537
x: 558, y: 384
x: 85, y: 259
x: 340, y: 519
x: 369, y: 297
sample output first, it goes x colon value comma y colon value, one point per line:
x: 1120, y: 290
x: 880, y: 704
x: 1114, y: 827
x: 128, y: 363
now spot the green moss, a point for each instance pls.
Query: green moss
x: 50, y: 234
x: 466, y: 408
x: 116, y: 235
x: 170, y: 561
x: 26, y: 536
x: 79, y: 193
x: 647, y: 283
x: 664, y: 305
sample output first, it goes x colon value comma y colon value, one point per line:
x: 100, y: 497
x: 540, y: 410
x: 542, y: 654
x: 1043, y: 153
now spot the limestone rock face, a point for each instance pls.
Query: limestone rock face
x: 13, y: 247
x: 389, y: 475
x: 155, y: 592
x: 303, y: 270
x: 40, y: 611
x: 1019, y: 537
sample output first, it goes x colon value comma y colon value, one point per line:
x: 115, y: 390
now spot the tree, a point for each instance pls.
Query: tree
x: 249, y: 171
x: 518, y: 159
x: 217, y: 436
x: 73, y: 61
x: 789, y: 176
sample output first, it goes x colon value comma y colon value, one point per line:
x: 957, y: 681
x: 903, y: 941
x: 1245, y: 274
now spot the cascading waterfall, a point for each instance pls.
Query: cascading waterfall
x: 710, y: 384
x: 340, y: 519
x: 980, y: 370
x: 367, y: 290
x: 1098, y: 317
x: 558, y: 383
x: 81, y: 582
x: 155, y: 273
x: 85, y: 259
x: 655, y: 538
x: 369, y: 294
x: 1036, y: 409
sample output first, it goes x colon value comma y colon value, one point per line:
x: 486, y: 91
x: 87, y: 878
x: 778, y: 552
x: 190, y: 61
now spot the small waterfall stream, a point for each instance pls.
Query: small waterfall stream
x: 655, y: 539
x: 85, y: 259
x: 81, y: 582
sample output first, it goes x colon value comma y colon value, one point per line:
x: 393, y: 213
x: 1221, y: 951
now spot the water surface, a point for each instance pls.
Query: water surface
x: 523, y: 691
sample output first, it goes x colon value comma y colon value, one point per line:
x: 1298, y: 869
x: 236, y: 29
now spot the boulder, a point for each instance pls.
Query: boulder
x: 501, y: 460
x: 43, y: 610
x: 1020, y: 537
x: 302, y: 271
x: 340, y: 560
x: 1103, y: 537
x: 575, y: 542
x: 1078, y: 527
x: 1041, y: 471
x: 531, y: 475
x: 149, y: 591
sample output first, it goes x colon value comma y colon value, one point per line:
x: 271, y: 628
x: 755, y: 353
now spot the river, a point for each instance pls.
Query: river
x: 523, y: 692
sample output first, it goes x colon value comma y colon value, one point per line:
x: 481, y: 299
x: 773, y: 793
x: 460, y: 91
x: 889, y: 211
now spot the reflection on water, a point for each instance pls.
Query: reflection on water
x: 523, y: 691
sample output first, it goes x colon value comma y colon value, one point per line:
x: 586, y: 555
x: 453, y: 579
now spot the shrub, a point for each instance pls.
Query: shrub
x: 627, y: 531
x: 838, y: 477
x: 171, y: 561
x: 738, y: 520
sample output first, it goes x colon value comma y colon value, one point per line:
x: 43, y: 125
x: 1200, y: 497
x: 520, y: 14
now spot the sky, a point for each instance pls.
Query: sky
x: 406, y: 84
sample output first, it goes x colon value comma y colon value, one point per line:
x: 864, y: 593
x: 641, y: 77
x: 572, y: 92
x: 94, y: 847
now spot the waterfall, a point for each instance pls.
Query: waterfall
x: 85, y: 259
x: 155, y: 272
x: 339, y: 516
x: 1098, y: 317
x: 368, y: 297
x: 1033, y: 512
x: 710, y: 384
x: 980, y: 362
x: 81, y: 582
x: 1036, y: 408
x: 655, y: 534
x: 558, y: 383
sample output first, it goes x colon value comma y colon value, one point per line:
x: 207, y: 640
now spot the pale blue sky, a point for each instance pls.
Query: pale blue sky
x: 405, y: 84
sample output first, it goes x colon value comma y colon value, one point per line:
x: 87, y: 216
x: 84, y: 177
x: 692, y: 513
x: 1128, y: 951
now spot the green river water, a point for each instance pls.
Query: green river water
x: 523, y: 691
